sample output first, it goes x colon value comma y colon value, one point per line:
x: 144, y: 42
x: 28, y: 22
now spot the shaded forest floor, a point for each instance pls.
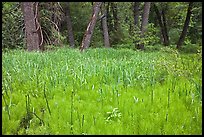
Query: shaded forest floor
x: 101, y: 91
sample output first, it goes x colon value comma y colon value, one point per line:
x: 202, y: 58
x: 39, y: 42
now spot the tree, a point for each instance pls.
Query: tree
x: 145, y: 17
x: 39, y: 30
x: 136, y: 13
x: 69, y: 25
x: 116, y: 35
x: 115, y: 16
x: 105, y: 27
x: 54, y: 25
x: 12, y: 25
x: 109, y: 17
x: 31, y: 25
x: 163, y: 12
x: 90, y: 28
x: 185, y: 27
x: 195, y: 27
x: 56, y: 17
x: 162, y: 23
x: 144, y: 24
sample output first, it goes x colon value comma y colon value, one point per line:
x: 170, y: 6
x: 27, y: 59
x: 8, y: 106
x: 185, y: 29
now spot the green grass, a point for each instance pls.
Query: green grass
x: 101, y: 91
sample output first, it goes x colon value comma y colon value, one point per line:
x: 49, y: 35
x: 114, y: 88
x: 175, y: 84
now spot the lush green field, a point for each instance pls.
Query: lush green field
x: 101, y: 91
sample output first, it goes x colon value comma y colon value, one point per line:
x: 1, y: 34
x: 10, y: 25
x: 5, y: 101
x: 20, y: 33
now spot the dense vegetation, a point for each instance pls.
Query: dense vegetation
x: 80, y: 13
x: 141, y: 83
x: 102, y: 91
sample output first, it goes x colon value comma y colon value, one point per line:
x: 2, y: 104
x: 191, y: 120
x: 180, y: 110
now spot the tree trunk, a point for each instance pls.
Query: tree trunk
x: 32, y: 37
x: 105, y: 27
x: 89, y: 31
x: 166, y: 37
x: 39, y: 31
x: 117, y: 34
x: 136, y: 13
x: 55, y: 19
x: 185, y: 27
x: 162, y: 25
x: 145, y: 17
x: 115, y: 16
x: 69, y: 26
x: 109, y: 17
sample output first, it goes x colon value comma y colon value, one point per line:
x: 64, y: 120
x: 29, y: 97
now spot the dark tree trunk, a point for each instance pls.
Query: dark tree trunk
x: 109, y: 17
x: 105, y: 27
x: 185, y: 27
x: 90, y: 28
x: 117, y: 34
x: 162, y: 25
x: 69, y: 26
x: 32, y: 37
x: 166, y: 37
x: 145, y: 17
x: 115, y: 16
x: 136, y: 13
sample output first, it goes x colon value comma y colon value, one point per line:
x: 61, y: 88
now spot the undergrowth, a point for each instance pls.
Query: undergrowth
x: 101, y: 91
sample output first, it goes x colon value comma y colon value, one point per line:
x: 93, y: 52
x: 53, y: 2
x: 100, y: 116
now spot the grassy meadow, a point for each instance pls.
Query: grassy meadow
x: 101, y: 91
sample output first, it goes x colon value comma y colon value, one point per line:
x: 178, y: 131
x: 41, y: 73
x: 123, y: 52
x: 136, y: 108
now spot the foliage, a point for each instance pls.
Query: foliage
x: 150, y: 36
x: 116, y: 90
x: 191, y: 48
x: 195, y: 27
x: 174, y: 35
x: 137, y: 89
x: 12, y: 26
x: 80, y: 15
x: 114, y: 115
x: 51, y: 16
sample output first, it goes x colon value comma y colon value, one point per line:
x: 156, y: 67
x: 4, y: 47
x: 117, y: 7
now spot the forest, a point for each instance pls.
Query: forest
x: 102, y: 68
